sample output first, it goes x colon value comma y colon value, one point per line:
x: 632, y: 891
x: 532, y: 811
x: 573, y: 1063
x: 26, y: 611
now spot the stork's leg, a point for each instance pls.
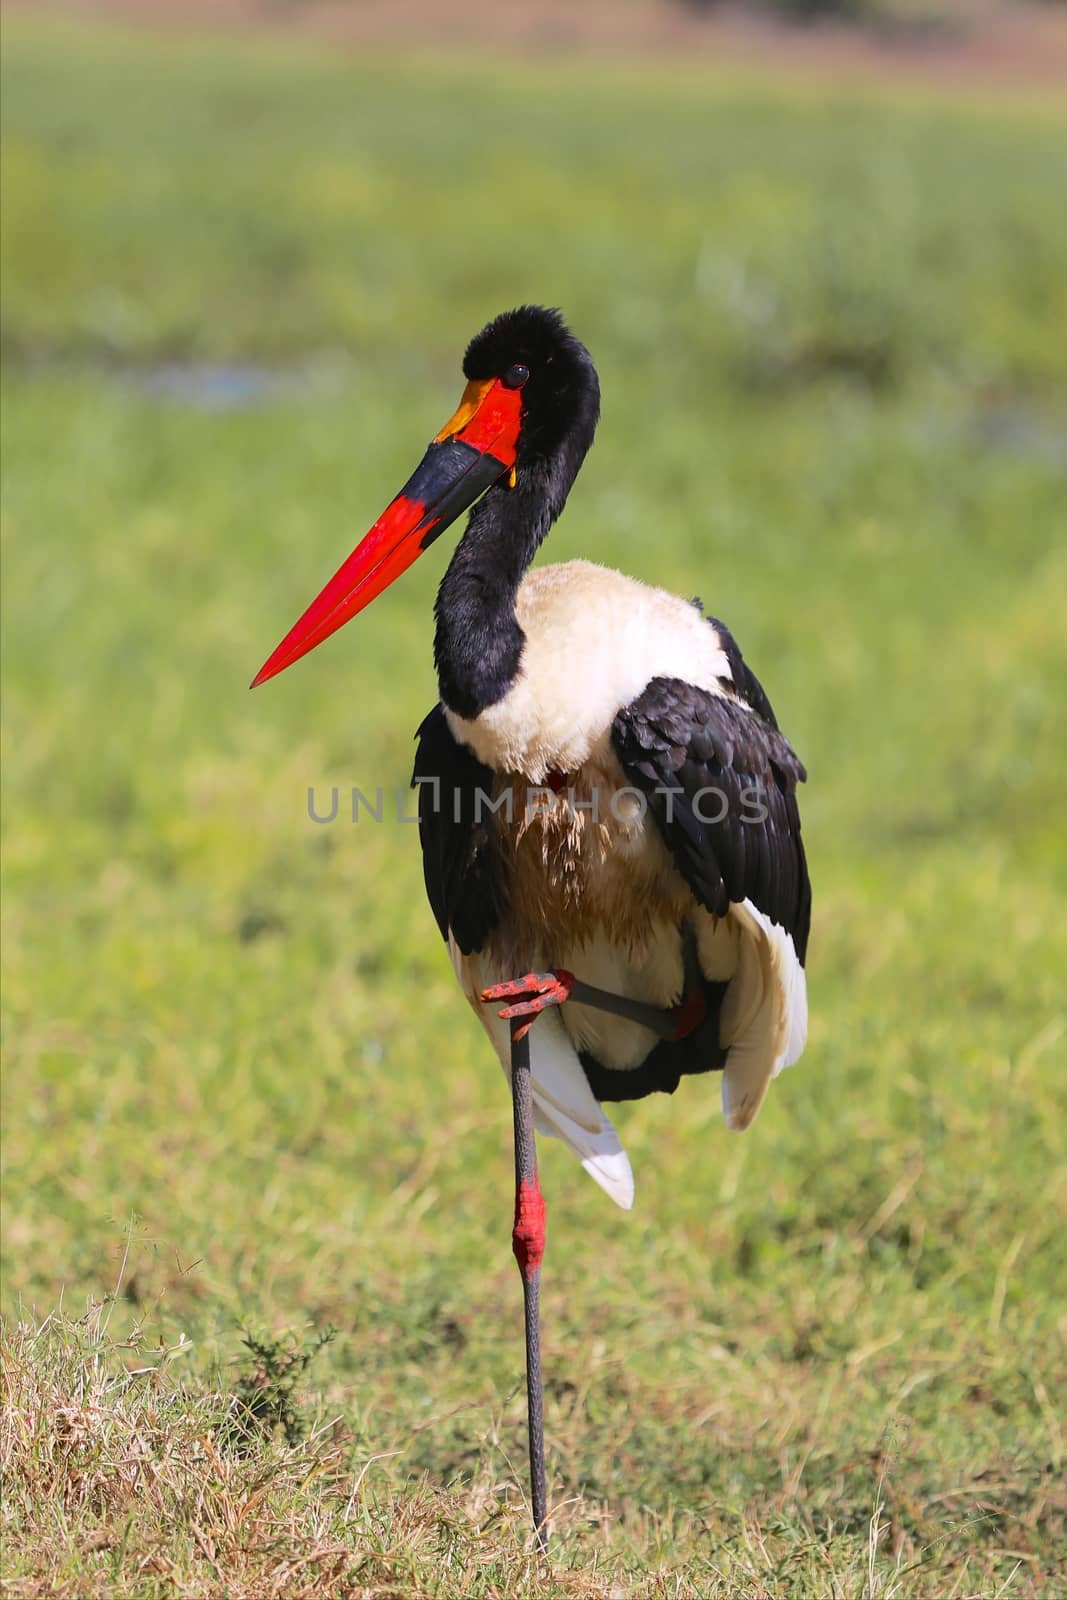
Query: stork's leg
x: 528, y: 997
x: 528, y: 1242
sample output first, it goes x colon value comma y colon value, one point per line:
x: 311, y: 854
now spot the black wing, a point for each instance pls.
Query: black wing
x: 721, y: 783
x: 743, y: 680
x: 453, y: 786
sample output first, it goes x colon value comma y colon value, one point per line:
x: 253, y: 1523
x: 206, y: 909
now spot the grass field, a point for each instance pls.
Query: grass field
x: 242, y: 1100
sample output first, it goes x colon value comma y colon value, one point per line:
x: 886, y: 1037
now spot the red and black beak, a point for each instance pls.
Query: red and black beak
x: 474, y: 448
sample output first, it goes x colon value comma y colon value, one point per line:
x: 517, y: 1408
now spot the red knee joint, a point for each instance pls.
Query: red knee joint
x: 689, y: 1015
x: 528, y: 1234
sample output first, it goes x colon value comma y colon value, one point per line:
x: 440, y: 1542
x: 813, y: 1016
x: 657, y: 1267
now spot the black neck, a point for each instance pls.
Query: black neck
x: 478, y: 643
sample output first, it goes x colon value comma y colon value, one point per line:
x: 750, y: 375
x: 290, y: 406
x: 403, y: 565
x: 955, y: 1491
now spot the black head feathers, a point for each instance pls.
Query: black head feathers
x: 561, y: 394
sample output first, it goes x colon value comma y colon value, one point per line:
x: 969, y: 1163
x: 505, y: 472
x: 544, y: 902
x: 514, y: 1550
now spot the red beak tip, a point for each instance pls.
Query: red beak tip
x: 267, y: 670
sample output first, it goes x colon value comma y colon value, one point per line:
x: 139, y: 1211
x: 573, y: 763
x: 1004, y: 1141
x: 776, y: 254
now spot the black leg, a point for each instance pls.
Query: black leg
x: 530, y: 995
x: 528, y: 1242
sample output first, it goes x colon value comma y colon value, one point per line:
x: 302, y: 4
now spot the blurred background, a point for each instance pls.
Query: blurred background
x: 818, y: 253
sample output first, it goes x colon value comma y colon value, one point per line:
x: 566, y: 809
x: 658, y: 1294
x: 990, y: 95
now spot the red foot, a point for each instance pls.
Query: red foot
x: 528, y: 1234
x: 531, y: 995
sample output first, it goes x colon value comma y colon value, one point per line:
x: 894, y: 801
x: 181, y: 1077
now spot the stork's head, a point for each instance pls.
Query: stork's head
x: 532, y: 351
x: 525, y: 421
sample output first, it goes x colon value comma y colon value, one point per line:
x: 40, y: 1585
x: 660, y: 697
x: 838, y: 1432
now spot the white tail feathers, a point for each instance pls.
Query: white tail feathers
x: 764, y: 1016
x: 566, y: 1108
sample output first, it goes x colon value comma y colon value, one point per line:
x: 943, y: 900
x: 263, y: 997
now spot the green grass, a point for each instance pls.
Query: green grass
x: 825, y: 1358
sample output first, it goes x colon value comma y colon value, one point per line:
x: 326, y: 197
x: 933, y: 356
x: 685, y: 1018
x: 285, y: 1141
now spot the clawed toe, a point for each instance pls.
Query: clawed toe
x: 532, y: 983
x: 530, y: 995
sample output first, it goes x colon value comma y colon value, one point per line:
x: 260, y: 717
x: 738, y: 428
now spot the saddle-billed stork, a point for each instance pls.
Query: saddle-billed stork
x: 607, y: 807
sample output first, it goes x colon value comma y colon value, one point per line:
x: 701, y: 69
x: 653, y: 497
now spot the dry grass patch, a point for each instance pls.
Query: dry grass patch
x: 116, y: 1479
x: 119, y: 1481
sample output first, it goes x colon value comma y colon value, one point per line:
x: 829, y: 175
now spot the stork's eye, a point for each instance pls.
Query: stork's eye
x: 515, y: 376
